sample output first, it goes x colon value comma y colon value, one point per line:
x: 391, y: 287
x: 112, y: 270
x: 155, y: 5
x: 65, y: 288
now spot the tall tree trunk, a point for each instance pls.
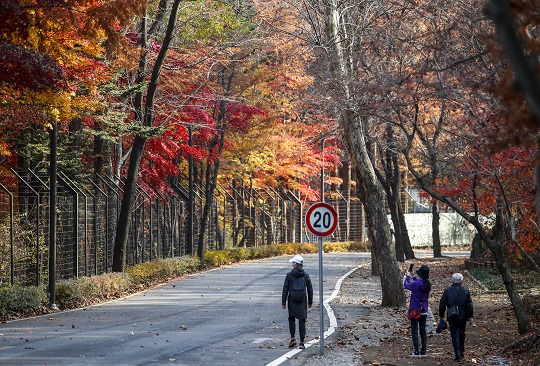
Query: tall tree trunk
x: 98, y: 155
x: 436, y: 230
x: 537, y: 182
x: 391, y: 182
x: 398, y: 233
x: 372, y: 194
x: 128, y: 202
x: 210, y: 187
x: 504, y: 271
x: 212, y: 168
x: 432, y: 147
x: 147, y: 117
x: 370, y: 190
x: 495, y: 246
x: 525, y: 70
x: 346, y: 189
x: 75, y: 128
x: 407, y: 247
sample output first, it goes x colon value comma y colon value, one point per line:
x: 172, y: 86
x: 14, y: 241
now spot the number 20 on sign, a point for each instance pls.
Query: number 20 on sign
x: 321, y: 219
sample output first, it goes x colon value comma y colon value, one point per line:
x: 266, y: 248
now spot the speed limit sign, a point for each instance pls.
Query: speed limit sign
x: 321, y: 219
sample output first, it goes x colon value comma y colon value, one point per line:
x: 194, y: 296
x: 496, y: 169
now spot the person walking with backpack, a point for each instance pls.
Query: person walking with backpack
x: 296, y: 283
x: 418, y: 307
x: 457, y: 299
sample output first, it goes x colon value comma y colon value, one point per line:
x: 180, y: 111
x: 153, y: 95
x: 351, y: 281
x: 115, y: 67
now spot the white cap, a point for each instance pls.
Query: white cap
x: 457, y: 277
x: 297, y: 259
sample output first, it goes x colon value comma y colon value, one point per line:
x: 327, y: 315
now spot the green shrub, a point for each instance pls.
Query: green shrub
x: 347, y: 246
x: 216, y: 258
x: 18, y: 299
x: 239, y: 254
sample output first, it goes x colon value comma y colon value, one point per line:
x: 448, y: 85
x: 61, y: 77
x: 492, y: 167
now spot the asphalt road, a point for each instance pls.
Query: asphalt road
x: 228, y: 316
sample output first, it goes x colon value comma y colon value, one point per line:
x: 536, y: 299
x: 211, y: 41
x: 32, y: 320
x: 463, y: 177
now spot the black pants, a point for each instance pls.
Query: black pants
x: 301, y: 328
x: 457, y: 332
x: 416, y: 325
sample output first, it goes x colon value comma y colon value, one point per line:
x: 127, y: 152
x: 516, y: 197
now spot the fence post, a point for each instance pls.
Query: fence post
x: 280, y: 214
x: 225, y: 195
x: 236, y: 229
x: 106, y: 249
x: 38, y: 216
x: 94, y: 226
x: 107, y: 218
x: 263, y: 213
x: 11, y: 241
x: 243, y: 214
x: 75, y: 216
x: 301, y: 213
x: 147, y: 195
x: 52, y: 217
x: 346, y: 221
x: 77, y: 189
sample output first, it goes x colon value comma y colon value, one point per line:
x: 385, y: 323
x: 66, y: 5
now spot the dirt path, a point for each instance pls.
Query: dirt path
x: 494, y: 327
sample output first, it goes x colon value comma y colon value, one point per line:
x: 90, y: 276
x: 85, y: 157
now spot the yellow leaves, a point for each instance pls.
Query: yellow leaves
x: 56, y: 104
x: 86, y: 104
x: 4, y: 149
x: 54, y: 114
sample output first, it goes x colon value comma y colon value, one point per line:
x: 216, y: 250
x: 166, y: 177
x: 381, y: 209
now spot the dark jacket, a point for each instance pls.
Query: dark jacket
x: 460, y: 296
x: 419, y: 292
x: 298, y: 309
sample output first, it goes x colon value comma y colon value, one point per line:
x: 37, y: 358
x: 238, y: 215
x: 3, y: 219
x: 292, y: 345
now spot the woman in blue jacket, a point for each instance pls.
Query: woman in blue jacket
x: 420, y: 288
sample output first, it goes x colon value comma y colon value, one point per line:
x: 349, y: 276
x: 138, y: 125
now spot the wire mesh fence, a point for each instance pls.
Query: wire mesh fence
x: 87, y: 218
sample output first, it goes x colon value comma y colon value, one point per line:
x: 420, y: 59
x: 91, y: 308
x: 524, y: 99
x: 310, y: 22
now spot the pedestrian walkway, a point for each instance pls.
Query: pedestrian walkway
x: 382, y: 335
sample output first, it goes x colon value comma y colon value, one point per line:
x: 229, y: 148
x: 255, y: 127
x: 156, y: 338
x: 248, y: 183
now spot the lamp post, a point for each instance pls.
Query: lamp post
x: 52, y: 215
x: 321, y: 307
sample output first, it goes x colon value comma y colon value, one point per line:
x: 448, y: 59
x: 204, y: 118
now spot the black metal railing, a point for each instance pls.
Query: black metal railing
x: 88, y: 214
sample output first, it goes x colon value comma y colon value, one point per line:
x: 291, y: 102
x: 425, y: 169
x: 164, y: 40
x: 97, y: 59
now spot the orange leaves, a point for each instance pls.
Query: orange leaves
x: 55, y: 44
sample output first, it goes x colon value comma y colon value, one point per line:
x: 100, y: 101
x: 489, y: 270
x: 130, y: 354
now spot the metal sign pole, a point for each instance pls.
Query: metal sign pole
x: 321, y: 305
x: 321, y: 220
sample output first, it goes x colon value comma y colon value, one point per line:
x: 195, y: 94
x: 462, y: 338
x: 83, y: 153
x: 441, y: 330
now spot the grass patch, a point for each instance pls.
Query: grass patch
x: 490, y: 277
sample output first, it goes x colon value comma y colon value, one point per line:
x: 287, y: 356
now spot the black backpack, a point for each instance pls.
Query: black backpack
x: 298, y: 289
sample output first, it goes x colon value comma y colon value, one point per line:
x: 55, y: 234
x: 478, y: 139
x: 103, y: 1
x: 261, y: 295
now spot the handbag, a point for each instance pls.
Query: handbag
x: 442, y: 326
x: 453, y: 313
x: 414, y: 314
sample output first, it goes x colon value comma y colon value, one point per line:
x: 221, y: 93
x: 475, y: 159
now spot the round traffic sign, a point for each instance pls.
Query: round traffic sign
x: 321, y: 219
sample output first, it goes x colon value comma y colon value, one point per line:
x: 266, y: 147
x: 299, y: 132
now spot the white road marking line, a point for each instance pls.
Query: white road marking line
x: 331, y: 317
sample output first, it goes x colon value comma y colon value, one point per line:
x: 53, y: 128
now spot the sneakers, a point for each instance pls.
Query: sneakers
x: 301, y: 346
x: 423, y: 355
x: 459, y: 359
x: 292, y: 343
x: 415, y: 355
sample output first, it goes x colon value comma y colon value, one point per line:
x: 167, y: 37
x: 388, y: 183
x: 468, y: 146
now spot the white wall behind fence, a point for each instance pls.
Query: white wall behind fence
x: 453, y: 229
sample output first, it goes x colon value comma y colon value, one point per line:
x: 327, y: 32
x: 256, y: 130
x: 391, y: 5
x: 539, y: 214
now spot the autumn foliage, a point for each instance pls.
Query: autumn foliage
x: 70, y: 61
